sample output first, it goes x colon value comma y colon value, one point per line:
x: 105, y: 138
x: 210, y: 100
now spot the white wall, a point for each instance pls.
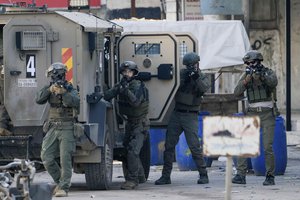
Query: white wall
x: 295, y: 61
x: 171, y: 10
x: 295, y: 51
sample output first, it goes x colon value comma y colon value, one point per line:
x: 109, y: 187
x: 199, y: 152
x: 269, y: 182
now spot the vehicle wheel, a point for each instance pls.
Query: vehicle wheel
x: 125, y: 168
x: 145, y: 156
x: 98, y: 176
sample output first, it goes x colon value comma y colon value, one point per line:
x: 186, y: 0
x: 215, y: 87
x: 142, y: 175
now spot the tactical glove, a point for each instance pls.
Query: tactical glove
x: 263, y: 74
x: 123, y: 90
x: 194, y: 75
x: 247, y: 79
x: 256, y: 76
x: 249, y: 70
x: 124, y: 82
x: 56, y: 89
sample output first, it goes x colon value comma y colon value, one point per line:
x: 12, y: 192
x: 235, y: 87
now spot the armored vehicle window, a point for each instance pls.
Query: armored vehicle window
x: 31, y: 40
x: 147, y: 48
x: 183, y: 49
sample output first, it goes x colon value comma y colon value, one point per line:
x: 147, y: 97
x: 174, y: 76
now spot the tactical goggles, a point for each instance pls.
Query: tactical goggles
x: 250, y: 62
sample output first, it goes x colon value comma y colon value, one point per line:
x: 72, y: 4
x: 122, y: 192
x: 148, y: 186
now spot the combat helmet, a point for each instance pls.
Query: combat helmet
x: 252, y: 55
x: 190, y: 59
x: 56, y: 70
x: 130, y: 65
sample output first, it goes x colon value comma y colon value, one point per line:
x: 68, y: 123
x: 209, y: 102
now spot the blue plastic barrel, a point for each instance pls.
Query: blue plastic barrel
x: 279, y: 148
x: 184, y: 158
x: 157, y: 141
x: 200, y: 119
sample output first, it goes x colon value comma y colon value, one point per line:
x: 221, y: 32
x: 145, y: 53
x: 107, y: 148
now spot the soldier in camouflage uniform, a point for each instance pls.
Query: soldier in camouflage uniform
x: 259, y: 83
x: 193, y: 84
x: 133, y: 105
x: 59, y: 141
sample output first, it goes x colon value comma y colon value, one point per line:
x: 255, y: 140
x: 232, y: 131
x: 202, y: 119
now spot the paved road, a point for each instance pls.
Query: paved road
x: 184, y: 185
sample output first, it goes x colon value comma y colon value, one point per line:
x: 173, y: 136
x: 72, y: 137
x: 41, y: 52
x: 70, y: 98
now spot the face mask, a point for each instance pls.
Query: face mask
x: 56, y: 76
x: 193, y: 68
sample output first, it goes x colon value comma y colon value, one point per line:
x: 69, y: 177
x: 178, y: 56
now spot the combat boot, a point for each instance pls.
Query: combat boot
x: 5, y: 132
x: 269, y: 180
x: 163, y: 180
x: 60, y: 193
x: 55, y: 189
x: 203, y: 179
x: 129, y: 185
x: 239, y: 179
x: 142, y: 179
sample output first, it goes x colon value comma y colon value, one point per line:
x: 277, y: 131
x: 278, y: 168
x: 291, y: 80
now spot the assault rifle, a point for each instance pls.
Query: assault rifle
x: 62, y: 83
x: 258, y: 69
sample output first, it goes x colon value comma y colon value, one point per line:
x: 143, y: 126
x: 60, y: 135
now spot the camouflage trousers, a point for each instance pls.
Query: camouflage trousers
x: 267, y: 122
x: 179, y: 122
x: 59, y: 142
x: 136, y: 133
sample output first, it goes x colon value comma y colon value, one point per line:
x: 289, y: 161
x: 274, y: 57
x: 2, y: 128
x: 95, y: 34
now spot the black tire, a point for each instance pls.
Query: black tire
x: 98, y: 176
x: 124, y: 167
x: 145, y: 156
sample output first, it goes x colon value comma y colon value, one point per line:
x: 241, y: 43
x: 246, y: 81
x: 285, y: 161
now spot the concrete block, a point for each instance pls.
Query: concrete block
x: 293, y: 137
x: 295, y: 125
x: 171, y: 16
x: 171, y: 6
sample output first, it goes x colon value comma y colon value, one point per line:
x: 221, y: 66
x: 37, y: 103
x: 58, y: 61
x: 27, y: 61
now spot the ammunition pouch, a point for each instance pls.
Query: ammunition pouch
x: 258, y: 94
x: 61, y: 113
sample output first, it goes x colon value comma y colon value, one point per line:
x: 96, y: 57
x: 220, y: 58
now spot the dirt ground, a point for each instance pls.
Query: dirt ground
x: 184, y: 184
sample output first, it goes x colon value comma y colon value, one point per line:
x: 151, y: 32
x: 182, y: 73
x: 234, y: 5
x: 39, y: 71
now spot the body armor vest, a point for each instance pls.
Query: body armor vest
x: 188, y: 95
x: 258, y: 93
x: 58, y: 111
x: 131, y: 111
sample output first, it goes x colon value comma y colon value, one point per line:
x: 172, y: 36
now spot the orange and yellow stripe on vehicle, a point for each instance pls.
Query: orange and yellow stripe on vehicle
x: 67, y: 59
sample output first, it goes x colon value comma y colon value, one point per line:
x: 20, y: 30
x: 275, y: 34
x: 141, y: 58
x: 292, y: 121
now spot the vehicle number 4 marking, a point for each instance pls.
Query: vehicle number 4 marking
x: 30, y: 66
